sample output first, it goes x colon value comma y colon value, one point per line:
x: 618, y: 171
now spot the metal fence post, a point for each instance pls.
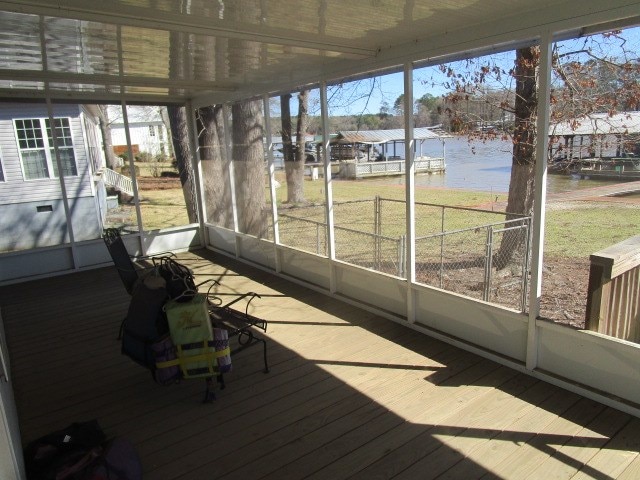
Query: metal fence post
x: 525, y: 264
x: 377, y: 230
x: 488, y: 264
x: 402, y: 254
x: 442, y: 248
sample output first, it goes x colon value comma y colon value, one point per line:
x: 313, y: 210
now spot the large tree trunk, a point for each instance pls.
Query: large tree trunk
x: 295, y: 189
x: 521, y: 186
x: 294, y: 156
x: 178, y: 120
x: 248, y: 158
x: 288, y: 155
x: 248, y: 126
x: 164, y: 115
x: 215, y: 166
x: 107, y: 143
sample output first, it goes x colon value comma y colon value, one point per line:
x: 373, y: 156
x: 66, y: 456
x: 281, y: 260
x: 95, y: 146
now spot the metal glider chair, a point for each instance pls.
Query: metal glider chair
x: 176, y: 331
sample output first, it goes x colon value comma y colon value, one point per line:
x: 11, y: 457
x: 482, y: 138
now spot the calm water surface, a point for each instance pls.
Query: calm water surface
x: 485, y: 166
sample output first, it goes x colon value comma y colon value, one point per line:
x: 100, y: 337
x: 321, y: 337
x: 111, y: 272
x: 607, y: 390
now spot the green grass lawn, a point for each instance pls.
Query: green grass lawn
x: 345, y: 190
x: 575, y: 230
x: 580, y: 229
x: 163, y: 209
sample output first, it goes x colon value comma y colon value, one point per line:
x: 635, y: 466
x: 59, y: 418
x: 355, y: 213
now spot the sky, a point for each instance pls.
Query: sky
x: 368, y: 96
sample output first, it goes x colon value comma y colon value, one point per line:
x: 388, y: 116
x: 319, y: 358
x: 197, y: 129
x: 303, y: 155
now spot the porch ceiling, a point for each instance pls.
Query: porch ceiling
x: 216, y: 51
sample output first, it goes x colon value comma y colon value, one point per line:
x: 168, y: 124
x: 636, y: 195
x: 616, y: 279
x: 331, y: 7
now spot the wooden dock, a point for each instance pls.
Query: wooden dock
x: 596, y: 192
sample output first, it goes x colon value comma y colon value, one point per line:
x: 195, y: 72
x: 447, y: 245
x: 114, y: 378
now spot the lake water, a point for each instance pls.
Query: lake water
x: 485, y: 166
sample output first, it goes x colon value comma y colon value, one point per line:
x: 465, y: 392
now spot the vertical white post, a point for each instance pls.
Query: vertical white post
x: 63, y: 186
x: 409, y: 153
x: 328, y: 186
x: 232, y: 177
x: 54, y: 138
x: 196, y: 164
x: 542, y: 142
x: 272, y: 182
x: 132, y: 171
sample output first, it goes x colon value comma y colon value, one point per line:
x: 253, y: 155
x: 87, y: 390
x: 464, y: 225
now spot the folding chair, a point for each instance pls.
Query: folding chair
x: 124, y: 263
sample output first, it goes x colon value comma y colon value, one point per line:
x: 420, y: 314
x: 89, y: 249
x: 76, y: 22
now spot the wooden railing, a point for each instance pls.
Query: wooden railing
x: 613, y: 301
x: 121, y: 182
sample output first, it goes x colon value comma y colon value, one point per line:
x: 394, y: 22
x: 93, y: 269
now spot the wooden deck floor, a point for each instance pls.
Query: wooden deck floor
x: 349, y: 395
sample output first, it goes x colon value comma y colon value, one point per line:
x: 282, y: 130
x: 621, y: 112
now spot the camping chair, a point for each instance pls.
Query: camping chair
x: 124, y: 263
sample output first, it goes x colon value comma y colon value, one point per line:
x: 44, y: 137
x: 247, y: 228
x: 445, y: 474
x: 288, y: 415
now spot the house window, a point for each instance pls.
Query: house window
x: 152, y: 131
x: 37, y: 149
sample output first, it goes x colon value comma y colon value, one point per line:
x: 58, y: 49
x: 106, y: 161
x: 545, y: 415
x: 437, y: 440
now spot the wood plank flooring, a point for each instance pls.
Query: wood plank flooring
x: 349, y: 396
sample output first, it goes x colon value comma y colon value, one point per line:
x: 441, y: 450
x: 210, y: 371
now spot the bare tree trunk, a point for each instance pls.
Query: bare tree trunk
x: 105, y: 129
x: 164, y: 115
x: 293, y: 171
x: 285, y: 119
x: 295, y: 189
x: 248, y: 158
x: 521, y: 186
x: 215, y: 165
x: 294, y: 157
x: 180, y: 135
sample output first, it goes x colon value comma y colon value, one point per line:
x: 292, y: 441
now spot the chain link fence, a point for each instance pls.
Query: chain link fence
x: 487, y: 262
x: 478, y: 253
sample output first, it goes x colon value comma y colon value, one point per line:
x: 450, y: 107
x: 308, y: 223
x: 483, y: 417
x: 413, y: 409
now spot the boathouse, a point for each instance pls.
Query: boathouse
x: 601, y: 145
x: 374, y: 153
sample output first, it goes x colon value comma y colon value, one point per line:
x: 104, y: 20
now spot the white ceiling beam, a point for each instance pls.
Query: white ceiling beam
x: 74, y: 96
x: 159, y: 20
x: 113, y: 80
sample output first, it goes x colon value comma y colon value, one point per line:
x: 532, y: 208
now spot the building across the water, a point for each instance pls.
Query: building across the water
x: 599, y: 145
x: 372, y: 153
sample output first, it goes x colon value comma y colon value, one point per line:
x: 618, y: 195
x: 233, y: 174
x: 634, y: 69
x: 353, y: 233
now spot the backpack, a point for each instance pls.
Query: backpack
x: 145, y: 332
x: 80, y: 452
x: 179, y: 281
x: 69, y: 453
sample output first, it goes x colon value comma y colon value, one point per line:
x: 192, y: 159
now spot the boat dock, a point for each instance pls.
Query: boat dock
x: 617, y: 189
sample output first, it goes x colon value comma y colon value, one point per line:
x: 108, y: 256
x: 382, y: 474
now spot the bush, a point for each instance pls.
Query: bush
x: 144, y: 157
x: 124, y: 170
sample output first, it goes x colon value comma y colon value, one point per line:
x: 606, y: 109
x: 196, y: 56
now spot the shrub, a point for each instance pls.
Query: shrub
x: 144, y: 157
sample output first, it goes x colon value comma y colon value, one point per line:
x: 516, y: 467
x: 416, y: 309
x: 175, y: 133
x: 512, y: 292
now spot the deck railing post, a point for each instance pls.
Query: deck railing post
x: 613, y: 293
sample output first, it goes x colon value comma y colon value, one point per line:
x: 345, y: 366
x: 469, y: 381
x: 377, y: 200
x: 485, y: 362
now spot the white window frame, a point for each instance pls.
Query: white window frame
x: 47, y: 146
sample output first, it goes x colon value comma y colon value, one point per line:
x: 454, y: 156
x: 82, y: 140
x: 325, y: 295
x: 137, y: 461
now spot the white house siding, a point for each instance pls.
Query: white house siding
x: 23, y: 226
x: 140, y: 136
